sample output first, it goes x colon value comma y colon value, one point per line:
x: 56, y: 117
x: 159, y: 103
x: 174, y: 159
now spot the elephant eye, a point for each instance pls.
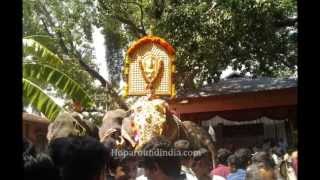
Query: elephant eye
x: 118, y: 119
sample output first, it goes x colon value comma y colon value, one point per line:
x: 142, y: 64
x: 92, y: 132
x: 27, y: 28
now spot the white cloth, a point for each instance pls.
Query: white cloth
x: 140, y: 171
x: 216, y: 177
x: 275, y: 159
x: 142, y: 177
x: 212, y: 133
x: 188, y: 177
x: 291, y: 174
x: 188, y: 172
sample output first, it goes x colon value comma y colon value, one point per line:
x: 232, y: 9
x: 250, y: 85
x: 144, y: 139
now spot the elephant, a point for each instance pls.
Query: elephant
x: 147, y: 119
x: 116, y: 129
x: 71, y: 124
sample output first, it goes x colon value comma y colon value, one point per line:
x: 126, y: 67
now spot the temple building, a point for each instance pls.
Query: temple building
x: 243, y: 111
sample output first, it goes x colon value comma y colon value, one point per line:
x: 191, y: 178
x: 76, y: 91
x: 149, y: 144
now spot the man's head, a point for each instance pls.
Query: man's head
x: 244, y: 157
x: 157, y: 162
x: 233, y: 162
x: 294, y: 155
x: 255, y: 172
x: 81, y: 158
x: 263, y: 159
x: 263, y: 164
x: 201, y: 164
x: 123, y: 165
x: 277, y: 151
x: 238, y: 160
x: 183, y: 146
x: 222, y: 156
x: 126, y: 169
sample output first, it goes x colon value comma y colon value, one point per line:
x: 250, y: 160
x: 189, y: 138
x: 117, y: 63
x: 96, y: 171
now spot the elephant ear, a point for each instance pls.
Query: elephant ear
x: 127, y: 130
x: 85, y: 127
x: 62, y: 126
x: 112, y: 119
x: 126, y: 136
x: 129, y: 112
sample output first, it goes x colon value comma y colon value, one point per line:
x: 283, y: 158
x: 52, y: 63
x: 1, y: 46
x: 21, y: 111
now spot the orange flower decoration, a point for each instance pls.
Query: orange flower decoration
x: 151, y: 39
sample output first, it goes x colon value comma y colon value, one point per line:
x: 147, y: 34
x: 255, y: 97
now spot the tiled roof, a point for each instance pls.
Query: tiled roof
x: 241, y: 84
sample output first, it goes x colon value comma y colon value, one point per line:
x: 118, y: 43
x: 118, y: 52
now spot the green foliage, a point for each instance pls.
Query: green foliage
x: 256, y: 36
x: 42, y: 69
x: 250, y: 36
x: 65, y: 28
x: 35, y: 96
x: 58, y: 79
x: 38, y: 51
x: 68, y: 24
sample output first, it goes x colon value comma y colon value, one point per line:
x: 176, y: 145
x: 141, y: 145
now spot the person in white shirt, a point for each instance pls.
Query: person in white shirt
x: 202, y: 166
x: 160, y: 166
x: 186, y: 158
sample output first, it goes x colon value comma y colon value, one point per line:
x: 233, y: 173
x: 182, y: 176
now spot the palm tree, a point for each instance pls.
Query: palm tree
x: 41, y: 67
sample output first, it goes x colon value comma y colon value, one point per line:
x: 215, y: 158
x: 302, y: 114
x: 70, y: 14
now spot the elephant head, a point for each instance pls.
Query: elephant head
x: 71, y: 124
x: 116, y: 129
x: 152, y: 118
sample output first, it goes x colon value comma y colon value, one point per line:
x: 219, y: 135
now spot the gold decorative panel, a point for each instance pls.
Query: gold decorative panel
x: 149, y: 69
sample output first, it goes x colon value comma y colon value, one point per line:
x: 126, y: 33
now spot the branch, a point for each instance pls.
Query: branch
x: 78, y: 56
x: 135, y: 30
x: 44, y: 10
x: 62, y: 44
x: 96, y: 75
x: 103, y: 82
x: 46, y: 27
x: 141, y: 14
x: 211, y: 8
x: 117, y: 98
x: 287, y: 22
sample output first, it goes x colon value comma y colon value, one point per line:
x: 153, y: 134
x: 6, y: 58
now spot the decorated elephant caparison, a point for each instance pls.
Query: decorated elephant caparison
x: 147, y: 119
x: 133, y: 128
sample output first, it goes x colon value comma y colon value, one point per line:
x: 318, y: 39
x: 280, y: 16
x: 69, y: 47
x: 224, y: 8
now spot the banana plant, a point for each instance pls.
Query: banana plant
x: 35, y: 49
x: 45, y: 70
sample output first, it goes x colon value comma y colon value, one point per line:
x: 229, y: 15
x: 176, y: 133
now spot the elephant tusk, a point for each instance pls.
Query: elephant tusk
x: 127, y: 137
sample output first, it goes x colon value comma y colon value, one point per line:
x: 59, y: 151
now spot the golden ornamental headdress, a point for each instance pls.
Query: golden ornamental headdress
x: 149, y: 67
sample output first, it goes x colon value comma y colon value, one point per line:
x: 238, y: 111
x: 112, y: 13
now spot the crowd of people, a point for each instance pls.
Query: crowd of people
x: 85, y: 158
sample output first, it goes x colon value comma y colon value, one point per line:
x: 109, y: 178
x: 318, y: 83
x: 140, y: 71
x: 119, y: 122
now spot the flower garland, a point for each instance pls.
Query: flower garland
x: 153, y: 39
x: 149, y: 117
